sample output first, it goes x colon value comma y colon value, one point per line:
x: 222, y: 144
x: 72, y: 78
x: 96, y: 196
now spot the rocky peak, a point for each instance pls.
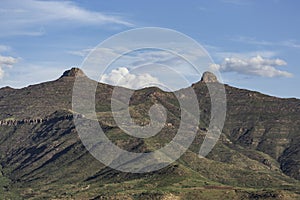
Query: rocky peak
x: 74, y: 72
x: 209, y: 77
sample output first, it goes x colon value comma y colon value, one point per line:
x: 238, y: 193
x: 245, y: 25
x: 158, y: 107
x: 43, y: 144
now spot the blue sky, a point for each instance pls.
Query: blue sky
x: 255, y: 44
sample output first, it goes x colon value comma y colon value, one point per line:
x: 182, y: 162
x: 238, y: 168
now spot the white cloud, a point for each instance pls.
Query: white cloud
x: 290, y: 43
x: 81, y: 53
x: 254, y: 41
x: 257, y: 66
x: 4, y: 48
x: 220, y: 54
x: 29, y: 17
x: 244, y: 55
x: 123, y: 77
x: 6, y: 61
x: 238, y: 2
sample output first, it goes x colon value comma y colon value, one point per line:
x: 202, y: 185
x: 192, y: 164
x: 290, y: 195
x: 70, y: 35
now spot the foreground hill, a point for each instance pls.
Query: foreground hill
x: 41, y: 155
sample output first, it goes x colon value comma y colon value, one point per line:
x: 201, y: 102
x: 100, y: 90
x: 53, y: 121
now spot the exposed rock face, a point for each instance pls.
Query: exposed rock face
x: 35, y: 120
x: 74, y: 72
x: 209, y: 77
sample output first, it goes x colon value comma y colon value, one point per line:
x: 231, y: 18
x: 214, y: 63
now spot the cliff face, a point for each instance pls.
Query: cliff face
x: 43, y: 157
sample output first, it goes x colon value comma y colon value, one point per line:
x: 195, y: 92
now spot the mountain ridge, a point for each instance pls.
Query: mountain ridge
x: 70, y: 73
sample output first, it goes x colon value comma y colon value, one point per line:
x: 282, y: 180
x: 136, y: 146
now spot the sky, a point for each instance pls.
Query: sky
x: 254, y: 44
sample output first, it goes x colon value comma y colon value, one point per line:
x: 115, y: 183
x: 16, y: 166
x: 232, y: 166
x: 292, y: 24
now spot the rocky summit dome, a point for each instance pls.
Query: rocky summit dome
x: 209, y: 77
x: 74, y: 72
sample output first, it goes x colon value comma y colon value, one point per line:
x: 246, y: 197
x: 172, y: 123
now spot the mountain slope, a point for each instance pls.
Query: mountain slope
x: 257, y: 156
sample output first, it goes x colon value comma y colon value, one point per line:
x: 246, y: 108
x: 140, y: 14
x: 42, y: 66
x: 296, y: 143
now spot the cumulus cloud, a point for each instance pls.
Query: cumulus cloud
x: 257, y: 66
x: 6, y: 61
x: 123, y: 77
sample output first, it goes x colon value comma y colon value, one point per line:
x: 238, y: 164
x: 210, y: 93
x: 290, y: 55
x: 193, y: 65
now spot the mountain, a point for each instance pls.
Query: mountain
x: 42, y: 156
